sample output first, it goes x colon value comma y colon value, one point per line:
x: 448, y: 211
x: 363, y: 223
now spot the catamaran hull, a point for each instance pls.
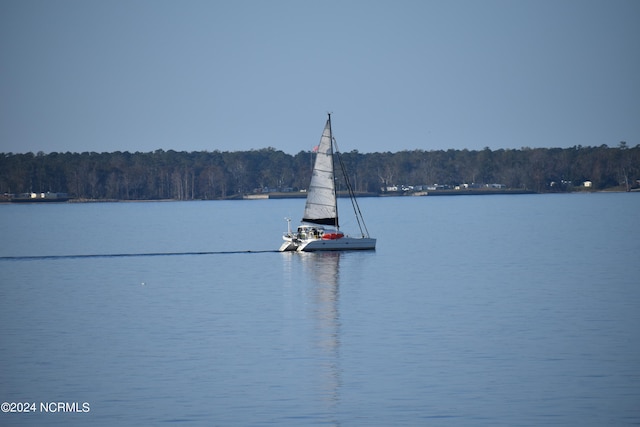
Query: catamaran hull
x: 288, y: 246
x: 343, y: 244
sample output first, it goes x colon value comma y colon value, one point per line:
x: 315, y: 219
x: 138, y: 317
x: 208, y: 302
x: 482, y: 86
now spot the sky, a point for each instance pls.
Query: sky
x: 235, y: 75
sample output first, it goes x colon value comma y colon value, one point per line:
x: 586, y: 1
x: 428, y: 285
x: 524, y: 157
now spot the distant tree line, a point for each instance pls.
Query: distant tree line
x: 220, y: 175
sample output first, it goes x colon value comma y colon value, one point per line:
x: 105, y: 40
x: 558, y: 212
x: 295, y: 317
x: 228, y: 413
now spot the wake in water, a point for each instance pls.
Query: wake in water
x: 41, y: 257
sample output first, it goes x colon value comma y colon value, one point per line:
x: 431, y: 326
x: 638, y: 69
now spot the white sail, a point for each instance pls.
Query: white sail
x: 321, y: 195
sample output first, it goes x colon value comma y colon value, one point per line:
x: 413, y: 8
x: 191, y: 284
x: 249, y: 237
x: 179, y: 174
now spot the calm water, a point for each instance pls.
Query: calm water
x: 474, y: 310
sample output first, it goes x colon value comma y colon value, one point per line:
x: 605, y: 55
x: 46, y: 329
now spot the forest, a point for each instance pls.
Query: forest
x: 226, y: 175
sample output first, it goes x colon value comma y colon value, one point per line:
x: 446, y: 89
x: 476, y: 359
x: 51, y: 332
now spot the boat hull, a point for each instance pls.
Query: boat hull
x: 288, y: 246
x: 343, y: 244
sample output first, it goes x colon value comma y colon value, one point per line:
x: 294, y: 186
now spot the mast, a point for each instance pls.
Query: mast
x: 335, y: 192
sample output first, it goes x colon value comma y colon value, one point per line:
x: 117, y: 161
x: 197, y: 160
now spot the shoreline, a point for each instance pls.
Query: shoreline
x: 301, y: 195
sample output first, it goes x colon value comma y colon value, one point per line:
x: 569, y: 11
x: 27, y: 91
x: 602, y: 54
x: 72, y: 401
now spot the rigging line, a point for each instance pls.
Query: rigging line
x: 352, y: 195
x: 151, y: 254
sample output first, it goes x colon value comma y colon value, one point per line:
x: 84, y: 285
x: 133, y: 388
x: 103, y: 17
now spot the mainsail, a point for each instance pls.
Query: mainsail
x: 321, y: 207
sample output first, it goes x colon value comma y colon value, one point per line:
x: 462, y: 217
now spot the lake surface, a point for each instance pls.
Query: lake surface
x: 473, y: 310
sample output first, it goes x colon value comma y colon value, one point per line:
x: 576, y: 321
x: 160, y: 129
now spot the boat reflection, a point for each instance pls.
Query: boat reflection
x: 321, y: 273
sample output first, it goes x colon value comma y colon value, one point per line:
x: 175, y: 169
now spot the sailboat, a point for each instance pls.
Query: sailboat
x: 320, y: 229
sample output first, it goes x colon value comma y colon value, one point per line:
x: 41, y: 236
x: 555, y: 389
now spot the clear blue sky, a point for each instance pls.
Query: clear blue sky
x: 141, y: 75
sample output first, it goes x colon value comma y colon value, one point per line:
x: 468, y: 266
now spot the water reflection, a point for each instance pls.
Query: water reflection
x: 321, y: 273
x: 324, y: 269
